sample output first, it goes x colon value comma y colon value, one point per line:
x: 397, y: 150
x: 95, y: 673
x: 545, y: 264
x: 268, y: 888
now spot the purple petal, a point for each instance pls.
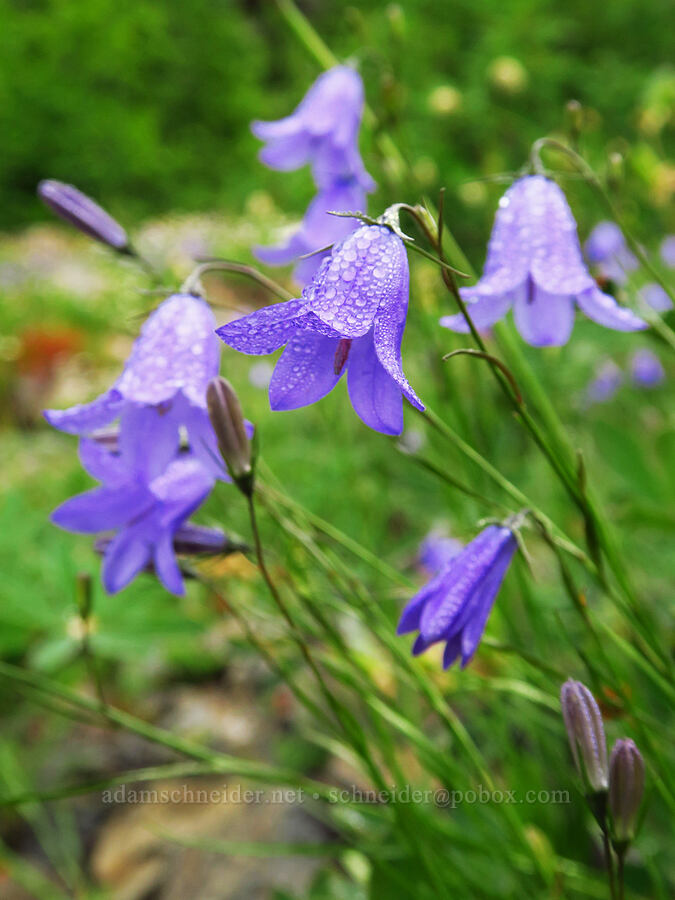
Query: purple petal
x: 149, y: 436
x: 667, y: 250
x: 646, y: 369
x: 484, y: 310
x: 180, y: 489
x: 374, y: 394
x: 410, y: 617
x: 543, y: 319
x: 286, y: 153
x: 127, y: 554
x: 305, y: 371
x: 102, y: 509
x: 452, y: 650
x: 166, y: 565
x: 196, y: 539
x: 263, y: 331
x: 101, y: 463
x: 87, y: 417
x: 176, y: 350
x: 656, y: 297
x: 387, y: 338
x: 604, y: 310
x: 364, y: 273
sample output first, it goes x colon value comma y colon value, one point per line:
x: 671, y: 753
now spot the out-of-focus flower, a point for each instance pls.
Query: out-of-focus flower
x: 508, y: 74
x: 322, y: 130
x: 81, y: 211
x: 189, y: 540
x: 583, y: 721
x: 351, y: 316
x: 163, y: 385
x: 444, y: 100
x: 626, y: 787
x: 606, y: 249
x: 656, y: 297
x: 646, y: 369
x: 454, y: 606
x: 318, y: 229
x: 534, y: 264
x: 144, y: 506
x: 605, y: 383
x: 437, y: 549
x: 667, y: 250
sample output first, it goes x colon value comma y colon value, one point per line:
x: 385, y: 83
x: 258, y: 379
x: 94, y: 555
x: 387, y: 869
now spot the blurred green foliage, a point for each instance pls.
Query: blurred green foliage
x: 147, y: 105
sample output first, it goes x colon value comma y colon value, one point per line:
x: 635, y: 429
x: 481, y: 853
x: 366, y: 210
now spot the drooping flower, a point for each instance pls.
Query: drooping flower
x: 322, y: 130
x: 656, y: 297
x: 144, y: 498
x: 83, y: 213
x: 534, y: 264
x: 667, y: 250
x: 454, y: 606
x: 605, y: 383
x: 606, y: 248
x: 586, y: 733
x: 646, y: 369
x: 350, y: 317
x: 318, y: 229
x: 626, y: 787
x: 437, y: 549
x: 163, y: 385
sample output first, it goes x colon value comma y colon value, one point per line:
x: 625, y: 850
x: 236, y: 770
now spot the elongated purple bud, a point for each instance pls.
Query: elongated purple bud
x: 228, y: 423
x: 626, y: 787
x: 81, y: 211
x: 583, y: 721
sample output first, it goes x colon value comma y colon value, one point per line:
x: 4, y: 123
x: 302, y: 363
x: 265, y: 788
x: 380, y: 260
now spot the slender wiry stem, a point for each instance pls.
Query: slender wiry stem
x: 620, y: 869
x: 609, y: 864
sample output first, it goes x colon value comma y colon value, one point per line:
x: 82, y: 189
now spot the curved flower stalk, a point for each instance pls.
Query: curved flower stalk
x: 350, y: 317
x: 163, y: 385
x: 534, y: 265
x: 455, y: 605
x: 147, y: 506
x: 606, y: 248
x: 323, y: 131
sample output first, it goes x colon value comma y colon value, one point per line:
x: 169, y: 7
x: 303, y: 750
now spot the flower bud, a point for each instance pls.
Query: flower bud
x: 626, y: 786
x: 228, y: 423
x: 79, y: 210
x: 583, y: 721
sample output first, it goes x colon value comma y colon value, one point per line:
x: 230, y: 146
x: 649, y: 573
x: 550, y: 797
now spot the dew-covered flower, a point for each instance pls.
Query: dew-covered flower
x: 646, y: 369
x: 350, y: 317
x: 322, y: 130
x: 606, y: 248
x: 437, y: 549
x: 586, y: 733
x: 534, y: 264
x: 77, y: 209
x: 653, y: 294
x: 145, y: 498
x: 605, y: 383
x: 163, y: 385
x: 667, y: 250
x: 318, y: 229
x: 454, y: 606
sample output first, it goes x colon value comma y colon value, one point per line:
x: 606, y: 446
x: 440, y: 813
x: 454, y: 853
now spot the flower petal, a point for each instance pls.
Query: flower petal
x: 484, y: 310
x: 604, y: 310
x: 388, y: 336
x: 543, y: 319
x: 128, y: 553
x: 374, y: 394
x: 149, y: 437
x: 305, y: 371
x: 452, y: 650
x: 166, y: 566
x: 410, y: 617
x: 87, y: 417
x: 102, y: 509
x: 264, y: 330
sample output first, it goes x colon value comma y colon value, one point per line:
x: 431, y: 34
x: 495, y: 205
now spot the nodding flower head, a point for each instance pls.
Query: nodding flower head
x: 322, y: 130
x: 164, y: 381
x: 583, y: 721
x: 534, y: 264
x: 350, y: 318
x: 455, y: 605
x: 83, y: 213
x: 606, y: 249
x: 144, y: 499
